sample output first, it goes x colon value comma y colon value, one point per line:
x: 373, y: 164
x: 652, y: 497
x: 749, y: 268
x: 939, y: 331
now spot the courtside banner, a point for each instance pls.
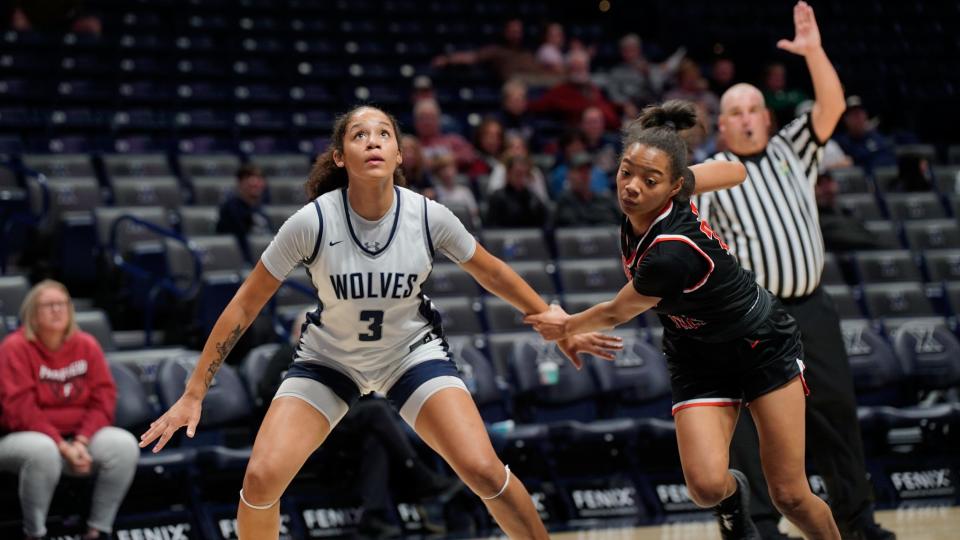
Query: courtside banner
x: 225, y: 522
x: 667, y: 496
x: 601, y: 499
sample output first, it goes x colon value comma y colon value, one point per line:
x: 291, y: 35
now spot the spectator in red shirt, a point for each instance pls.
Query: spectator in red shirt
x: 57, y: 401
x: 426, y: 122
x: 569, y: 99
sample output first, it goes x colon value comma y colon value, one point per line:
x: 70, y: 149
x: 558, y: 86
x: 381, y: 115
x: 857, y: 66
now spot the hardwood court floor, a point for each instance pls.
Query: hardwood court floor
x: 909, y: 524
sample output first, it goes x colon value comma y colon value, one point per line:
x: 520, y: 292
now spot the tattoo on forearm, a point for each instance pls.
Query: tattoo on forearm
x: 223, y: 349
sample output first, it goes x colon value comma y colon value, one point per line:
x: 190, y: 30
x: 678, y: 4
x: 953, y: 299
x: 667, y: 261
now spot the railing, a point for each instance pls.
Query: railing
x: 159, y: 283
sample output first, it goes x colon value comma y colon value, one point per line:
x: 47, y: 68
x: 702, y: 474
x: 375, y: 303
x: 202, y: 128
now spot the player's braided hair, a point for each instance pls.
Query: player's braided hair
x: 325, y: 175
x: 659, y: 126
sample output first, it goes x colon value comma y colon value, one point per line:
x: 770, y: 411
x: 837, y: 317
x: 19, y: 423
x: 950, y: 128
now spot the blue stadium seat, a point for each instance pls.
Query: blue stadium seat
x: 942, y: 264
x: 253, y: 367
x: 880, y: 377
x: 932, y: 234
x: 847, y: 305
x: 897, y: 300
x: 548, y: 388
x: 96, y: 323
x: 517, y: 244
x: 911, y: 206
x: 862, y: 205
x: 449, y: 280
x: 637, y: 382
x: 592, y: 275
x: 460, y: 315
x: 932, y: 351
x: 154, y: 192
x: 490, y: 391
x: 886, y: 267
x: 212, y: 190
x: 140, y: 165
x: 223, y: 434
x: 851, y: 180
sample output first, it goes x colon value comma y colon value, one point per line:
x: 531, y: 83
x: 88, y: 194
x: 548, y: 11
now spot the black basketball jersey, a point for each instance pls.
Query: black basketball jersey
x: 706, y: 294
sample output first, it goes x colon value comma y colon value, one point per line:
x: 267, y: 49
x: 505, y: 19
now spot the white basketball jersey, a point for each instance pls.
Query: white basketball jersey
x: 370, y: 308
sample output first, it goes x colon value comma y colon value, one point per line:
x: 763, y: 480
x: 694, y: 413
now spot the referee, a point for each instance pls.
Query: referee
x: 770, y: 223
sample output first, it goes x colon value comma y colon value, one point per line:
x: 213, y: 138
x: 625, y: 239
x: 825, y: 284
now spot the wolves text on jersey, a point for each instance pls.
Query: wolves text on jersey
x: 370, y: 285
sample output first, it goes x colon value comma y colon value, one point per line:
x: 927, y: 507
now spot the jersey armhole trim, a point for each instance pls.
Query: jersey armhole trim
x: 689, y: 242
x: 426, y: 228
x: 316, y: 245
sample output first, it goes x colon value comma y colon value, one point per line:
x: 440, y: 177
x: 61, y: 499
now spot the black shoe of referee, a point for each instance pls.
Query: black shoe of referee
x: 733, y: 513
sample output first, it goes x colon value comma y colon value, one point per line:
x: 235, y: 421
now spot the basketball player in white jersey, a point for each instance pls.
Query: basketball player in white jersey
x: 368, y: 246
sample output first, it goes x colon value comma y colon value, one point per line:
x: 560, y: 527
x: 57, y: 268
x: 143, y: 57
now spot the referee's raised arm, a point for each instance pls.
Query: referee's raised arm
x: 828, y: 92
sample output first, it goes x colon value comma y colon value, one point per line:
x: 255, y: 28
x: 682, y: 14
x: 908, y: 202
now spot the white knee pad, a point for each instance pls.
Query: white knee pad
x: 504, y: 488
x: 257, y: 506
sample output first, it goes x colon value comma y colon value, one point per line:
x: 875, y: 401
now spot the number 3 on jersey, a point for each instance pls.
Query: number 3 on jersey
x: 374, y: 318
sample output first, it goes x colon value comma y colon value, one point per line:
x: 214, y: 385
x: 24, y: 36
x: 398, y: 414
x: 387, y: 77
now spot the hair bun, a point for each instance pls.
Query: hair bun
x: 675, y: 114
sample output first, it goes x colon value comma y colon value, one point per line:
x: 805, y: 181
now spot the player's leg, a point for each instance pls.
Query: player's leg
x: 779, y: 416
x: 703, y: 438
x: 297, y: 422
x: 432, y: 398
x: 449, y: 422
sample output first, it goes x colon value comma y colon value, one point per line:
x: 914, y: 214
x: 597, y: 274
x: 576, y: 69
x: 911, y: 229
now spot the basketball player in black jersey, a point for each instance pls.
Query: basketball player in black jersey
x: 728, y: 342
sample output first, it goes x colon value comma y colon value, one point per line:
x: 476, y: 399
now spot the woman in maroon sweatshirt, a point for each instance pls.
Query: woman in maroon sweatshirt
x: 57, y: 402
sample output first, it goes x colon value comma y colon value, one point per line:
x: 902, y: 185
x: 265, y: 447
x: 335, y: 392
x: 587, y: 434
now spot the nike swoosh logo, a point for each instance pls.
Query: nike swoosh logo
x: 335, y: 243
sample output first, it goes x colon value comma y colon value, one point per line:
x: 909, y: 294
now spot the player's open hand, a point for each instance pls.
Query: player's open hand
x: 185, y: 412
x: 552, y: 323
x: 807, y: 35
x: 595, y: 343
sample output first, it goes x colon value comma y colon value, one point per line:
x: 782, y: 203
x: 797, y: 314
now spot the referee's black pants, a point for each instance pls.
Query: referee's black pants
x: 834, y: 447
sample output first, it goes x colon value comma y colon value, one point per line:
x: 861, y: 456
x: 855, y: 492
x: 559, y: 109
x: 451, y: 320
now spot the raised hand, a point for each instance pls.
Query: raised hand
x: 551, y: 323
x: 599, y: 345
x: 185, y: 412
x: 807, y: 35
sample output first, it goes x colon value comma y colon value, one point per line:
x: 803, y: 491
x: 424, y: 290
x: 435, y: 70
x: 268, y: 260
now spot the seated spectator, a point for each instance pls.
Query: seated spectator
x: 509, y: 59
x: 426, y: 124
x: 913, y: 174
x: 371, y: 429
x: 781, y: 100
x: 423, y: 89
x: 573, y: 142
x: 691, y: 86
x: 488, y: 139
x: 723, y: 75
x: 515, y: 146
x: 414, y: 166
x: 578, y: 204
x: 569, y: 99
x: 602, y: 145
x: 514, y: 116
x: 57, y: 402
x: 862, y: 141
x: 450, y: 193
x: 550, y: 53
x: 637, y: 80
x: 515, y: 205
x: 841, y: 230
x: 242, y: 213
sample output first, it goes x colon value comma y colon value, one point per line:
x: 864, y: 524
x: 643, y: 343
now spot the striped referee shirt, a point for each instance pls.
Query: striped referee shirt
x: 770, y: 221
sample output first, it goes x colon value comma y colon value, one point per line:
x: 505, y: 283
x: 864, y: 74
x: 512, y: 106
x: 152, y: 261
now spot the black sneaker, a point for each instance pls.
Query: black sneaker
x: 733, y: 516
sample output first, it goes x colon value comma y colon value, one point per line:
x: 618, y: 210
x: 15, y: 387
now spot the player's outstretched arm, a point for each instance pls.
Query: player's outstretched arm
x: 259, y: 286
x: 497, y: 277
x: 555, y: 324
x: 716, y: 175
